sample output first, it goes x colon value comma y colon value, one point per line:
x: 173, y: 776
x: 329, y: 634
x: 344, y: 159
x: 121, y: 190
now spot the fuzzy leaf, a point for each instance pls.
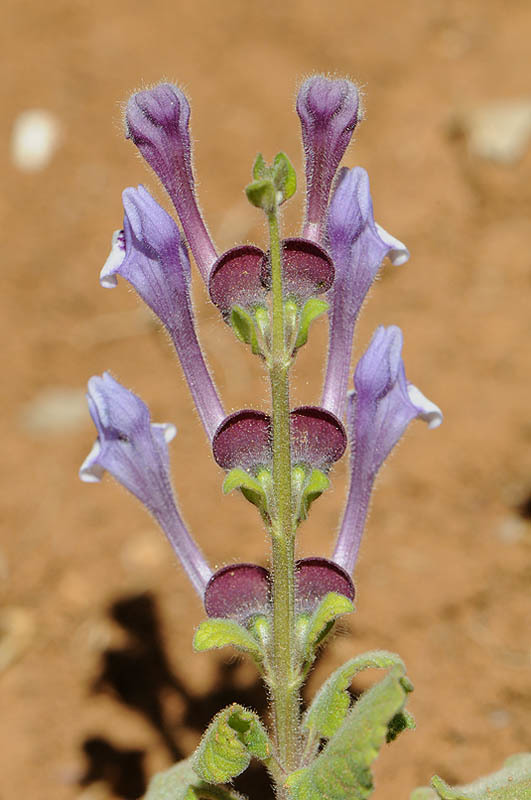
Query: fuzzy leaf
x: 511, y: 782
x: 262, y: 194
x: 312, y: 309
x: 404, y: 720
x: 250, y: 487
x: 243, y: 326
x: 238, y: 478
x: 342, y: 770
x: 332, y: 605
x: 260, y: 169
x: 317, y: 483
x: 213, y: 633
x: 284, y: 176
x: 331, y: 703
x: 232, y: 738
x: 180, y: 782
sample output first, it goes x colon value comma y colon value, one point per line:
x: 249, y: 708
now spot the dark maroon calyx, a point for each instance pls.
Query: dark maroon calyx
x: 307, y: 269
x: 243, y: 440
x: 315, y: 577
x: 238, y: 591
x: 318, y: 438
x: 242, y: 591
x: 235, y: 279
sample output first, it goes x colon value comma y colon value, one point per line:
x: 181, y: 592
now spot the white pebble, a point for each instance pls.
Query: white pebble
x: 35, y: 138
x: 57, y: 409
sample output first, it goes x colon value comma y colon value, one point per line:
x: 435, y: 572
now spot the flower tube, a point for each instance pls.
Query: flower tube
x: 358, y: 246
x: 157, y: 121
x: 135, y: 452
x: 150, y: 254
x: 379, y: 410
x: 329, y: 111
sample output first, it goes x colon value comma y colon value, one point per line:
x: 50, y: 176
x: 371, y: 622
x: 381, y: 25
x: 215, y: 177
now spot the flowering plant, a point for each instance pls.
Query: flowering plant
x: 280, y: 461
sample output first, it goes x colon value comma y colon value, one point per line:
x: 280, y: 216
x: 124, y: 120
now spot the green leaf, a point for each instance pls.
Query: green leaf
x: 263, y: 322
x: 331, y: 703
x: 232, y: 738
x: 423, y: 793
x: 213, y: 633
x: 243, y: 326
x: 262, y: 194
x: 312, y: 309
x: 316, y: 484
x: 342, y: 770
x: 511, y: 782
x: 181, y: 782
x: 237, y: 478
x: 260, y: 168
x: 251, y: 488
x: 401, y: 722
x: 284, y: 176
x: 333, y: 605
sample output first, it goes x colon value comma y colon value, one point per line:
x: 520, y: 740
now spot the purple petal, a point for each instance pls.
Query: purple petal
x: 307, y: 269
x: 358, y: 247
x: 317, y: 437
x: 157, y: 121
x: 243, y: 440
x: 235, y: 279
x: 315, y: 578
x: 155, y: 263
x: 379, y: 411
x: 238, y: 591
x: 329, y: 111
x: 135, y: 452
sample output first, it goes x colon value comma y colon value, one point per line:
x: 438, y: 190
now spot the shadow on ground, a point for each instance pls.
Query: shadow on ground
x: 139, y: 676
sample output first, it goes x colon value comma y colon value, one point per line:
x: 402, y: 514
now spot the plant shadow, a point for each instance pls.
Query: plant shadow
x: 139, y: 676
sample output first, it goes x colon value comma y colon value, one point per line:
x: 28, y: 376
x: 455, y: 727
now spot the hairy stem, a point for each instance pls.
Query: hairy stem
x: 284, y: 684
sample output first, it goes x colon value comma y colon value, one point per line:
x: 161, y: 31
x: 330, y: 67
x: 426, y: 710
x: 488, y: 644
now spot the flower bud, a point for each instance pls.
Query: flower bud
x: 329, y: 111
x: 157, y: 121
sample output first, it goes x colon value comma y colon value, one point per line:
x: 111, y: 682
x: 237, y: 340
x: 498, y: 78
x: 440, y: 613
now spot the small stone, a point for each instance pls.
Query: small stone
x: 498, y: 132
x: 57, y: 409
x: 35, y: 138
x: 94, y: 636
x: 17, y: 630
x: 512, y: 529
x: 499, y: 718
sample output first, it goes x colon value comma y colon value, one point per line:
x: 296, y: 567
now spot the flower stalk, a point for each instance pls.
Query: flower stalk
x: 284, y: 687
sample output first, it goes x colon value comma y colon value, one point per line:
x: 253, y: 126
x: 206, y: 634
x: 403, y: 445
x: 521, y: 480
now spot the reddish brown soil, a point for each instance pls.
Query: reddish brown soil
x: 95, y: 702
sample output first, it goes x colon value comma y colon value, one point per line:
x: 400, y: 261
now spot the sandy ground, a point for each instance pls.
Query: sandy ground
x: 98, y: 684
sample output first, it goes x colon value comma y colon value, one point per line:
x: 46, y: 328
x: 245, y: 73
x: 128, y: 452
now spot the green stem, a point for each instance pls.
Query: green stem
x: 284, y: 684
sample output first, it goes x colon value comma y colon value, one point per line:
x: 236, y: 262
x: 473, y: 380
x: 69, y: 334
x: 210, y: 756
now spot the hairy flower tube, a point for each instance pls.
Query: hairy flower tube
x: 150, y: 254
x: 358, y: 246
x: 329, y: 111
x: 135, y: 452
x: 157, y: 121
x: 380, y: 408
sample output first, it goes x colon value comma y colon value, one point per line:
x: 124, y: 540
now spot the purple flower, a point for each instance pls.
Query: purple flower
x: 357, y: 245
x: 150, y: 254
x: 329, y: 111
x: 379, y: 411
x: 135, y: 452
x: 157, y: 122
